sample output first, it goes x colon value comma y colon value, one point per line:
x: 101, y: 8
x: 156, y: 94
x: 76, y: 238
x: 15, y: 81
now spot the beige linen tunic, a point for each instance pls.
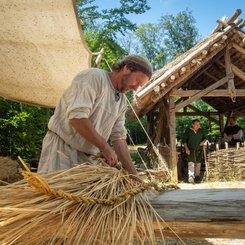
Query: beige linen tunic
x: 91, y: 95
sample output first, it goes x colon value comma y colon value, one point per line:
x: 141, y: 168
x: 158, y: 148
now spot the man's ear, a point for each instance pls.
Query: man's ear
x: 126, y: 70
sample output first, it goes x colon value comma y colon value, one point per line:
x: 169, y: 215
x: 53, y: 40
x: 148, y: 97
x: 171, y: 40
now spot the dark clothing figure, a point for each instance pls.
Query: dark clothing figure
x: 193, y: 140
x: 233, y: 133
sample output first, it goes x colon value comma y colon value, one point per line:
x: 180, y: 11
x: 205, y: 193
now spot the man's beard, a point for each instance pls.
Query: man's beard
x: 124, y: 83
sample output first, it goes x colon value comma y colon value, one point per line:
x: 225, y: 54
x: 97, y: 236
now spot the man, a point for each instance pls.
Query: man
x: 193, y: 140
x: 91, y: 112
x: 233, y: 133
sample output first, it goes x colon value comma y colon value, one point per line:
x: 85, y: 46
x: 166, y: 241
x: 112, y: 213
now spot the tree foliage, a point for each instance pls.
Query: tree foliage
x: 149, y: 41
x: 22, y: 129
x: 114, y: 20
x: 102, y: 27
x: 180, y: 32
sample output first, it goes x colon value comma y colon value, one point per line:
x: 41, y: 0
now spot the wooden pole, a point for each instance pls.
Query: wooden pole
x: 172, y: 130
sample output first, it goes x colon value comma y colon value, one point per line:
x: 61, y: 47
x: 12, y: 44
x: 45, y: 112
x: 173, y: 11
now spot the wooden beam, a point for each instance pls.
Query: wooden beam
x: 214, y: 93
x: 195, y: 113
x: 201, y: 93
x: 231, y: 20
x: 211, y: 76
x: 172, y: 131
x: 238, y: 48
x: 208, y: 117
x: 202, y: 212
x: 238, y: 72
x: 201, y: 229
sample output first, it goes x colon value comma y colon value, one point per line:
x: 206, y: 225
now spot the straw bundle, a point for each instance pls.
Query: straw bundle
x: 72, y: 207
x: 9, y: 171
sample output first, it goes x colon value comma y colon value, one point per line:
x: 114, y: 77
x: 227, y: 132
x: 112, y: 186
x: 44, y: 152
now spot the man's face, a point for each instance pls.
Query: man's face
x: 132, y: 81
x: 196, y: 125
x: 232, y: 121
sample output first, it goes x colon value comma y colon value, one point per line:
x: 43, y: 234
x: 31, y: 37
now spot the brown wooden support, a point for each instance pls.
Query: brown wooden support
x: 202, y: 93
x: 172, y: 130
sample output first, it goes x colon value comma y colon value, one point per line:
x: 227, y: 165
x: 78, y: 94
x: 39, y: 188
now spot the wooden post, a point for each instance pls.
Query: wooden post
x: 150, y: 126
x: 221, y: 123
x: 172, y: 130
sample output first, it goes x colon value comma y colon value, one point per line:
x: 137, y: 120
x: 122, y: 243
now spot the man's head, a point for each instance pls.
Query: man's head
x: 195, y: 124
x: 135, y: 63
x: 232, y: 121
x: 134, y: 72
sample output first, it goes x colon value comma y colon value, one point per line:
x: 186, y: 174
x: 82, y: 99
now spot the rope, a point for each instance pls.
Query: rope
x: 41, y: 185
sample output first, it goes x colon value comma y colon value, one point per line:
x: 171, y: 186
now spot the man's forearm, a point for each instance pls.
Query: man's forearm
x: 85, y: 128
x: 121, y: 148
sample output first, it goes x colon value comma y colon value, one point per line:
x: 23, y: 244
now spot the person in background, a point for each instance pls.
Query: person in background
x: 232, y: 132
x: 194, y: 139
x: 90, y: 113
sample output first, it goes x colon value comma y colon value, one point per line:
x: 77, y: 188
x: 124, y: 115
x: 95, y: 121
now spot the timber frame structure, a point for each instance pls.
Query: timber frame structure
x: 213, y: 70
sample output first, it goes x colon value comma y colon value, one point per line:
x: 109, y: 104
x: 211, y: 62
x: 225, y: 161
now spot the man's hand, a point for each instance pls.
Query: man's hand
x: 187, y: 151
x: 137, y: 178
x: 110, y: 156
x: 203, y: 143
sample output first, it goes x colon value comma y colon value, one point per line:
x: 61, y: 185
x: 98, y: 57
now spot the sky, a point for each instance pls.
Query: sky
x: 205, y: 12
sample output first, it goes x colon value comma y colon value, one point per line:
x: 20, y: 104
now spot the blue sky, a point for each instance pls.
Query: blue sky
x: 205, y: 12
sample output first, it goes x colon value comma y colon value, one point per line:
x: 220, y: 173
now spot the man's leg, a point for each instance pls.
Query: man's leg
x: 197, y: 170
x: 190, y: 172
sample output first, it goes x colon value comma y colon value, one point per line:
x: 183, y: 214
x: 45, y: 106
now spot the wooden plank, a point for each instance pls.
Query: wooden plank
x: 201, y: 229
x: 196, y: 113
x: 202, y: 212
x: 172, y: 131
x: 238, y: 72
x: 202, y: 93
x: 238, y: 48
x: 214, y: 93
x: 209, y: 117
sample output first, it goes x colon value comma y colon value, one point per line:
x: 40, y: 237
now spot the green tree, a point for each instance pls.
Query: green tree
x: 22, y: 129
x: 113, y: 20
x: 149, y: 42
x: 102, y: 28
x: 180, y: 32
x: 112, y: 50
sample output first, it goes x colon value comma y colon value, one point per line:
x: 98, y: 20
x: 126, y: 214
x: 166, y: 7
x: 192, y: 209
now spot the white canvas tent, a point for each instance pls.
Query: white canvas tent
x: 41, y: 50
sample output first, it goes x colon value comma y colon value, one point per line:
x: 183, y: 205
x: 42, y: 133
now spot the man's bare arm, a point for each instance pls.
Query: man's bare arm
x: 121, y: 148
x: 85, y: 128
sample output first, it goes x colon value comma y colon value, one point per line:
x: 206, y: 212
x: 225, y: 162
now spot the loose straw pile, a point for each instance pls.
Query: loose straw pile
x: 64, y: 208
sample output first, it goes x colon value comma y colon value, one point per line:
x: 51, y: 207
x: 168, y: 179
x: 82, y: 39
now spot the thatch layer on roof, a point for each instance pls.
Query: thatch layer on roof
x: 199, y: 68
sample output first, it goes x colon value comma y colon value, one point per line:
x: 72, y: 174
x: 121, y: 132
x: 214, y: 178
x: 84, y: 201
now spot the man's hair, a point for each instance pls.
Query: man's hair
x: 232, y: 117
x: 195, y: 120
x: 135, y: 63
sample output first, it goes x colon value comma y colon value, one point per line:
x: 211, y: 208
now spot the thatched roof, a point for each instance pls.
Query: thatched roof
x: 199, y: 68
x: 42, y: 49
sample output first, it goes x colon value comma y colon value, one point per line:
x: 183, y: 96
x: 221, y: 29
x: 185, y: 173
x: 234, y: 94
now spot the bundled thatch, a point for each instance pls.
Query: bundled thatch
x: 9, y: 170
x: 87, y: 204
x: 226, y: 164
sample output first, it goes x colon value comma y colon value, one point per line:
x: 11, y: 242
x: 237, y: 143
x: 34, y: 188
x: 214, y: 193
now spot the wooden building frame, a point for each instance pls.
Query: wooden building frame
x: 213, y: 70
